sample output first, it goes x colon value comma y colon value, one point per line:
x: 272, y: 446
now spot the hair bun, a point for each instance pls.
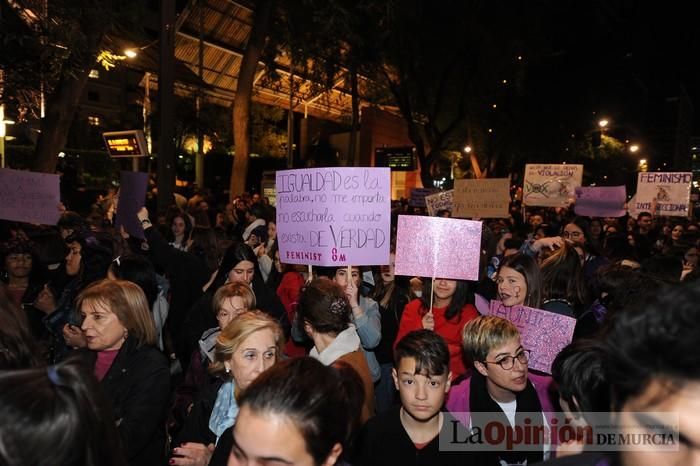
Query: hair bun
x: 338, y: 306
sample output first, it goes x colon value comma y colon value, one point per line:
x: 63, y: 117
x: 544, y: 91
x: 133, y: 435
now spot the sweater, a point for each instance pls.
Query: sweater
x: 383, y: 440
x: 450, y: 330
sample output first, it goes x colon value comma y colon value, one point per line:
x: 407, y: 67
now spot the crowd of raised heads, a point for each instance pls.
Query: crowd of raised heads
x: 196, y: 345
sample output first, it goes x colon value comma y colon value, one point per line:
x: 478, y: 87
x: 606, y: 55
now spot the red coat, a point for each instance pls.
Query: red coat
x: 288, y: 292
x: 450, y: 330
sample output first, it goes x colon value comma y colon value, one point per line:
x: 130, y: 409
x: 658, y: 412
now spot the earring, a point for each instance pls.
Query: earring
x: 228, y: 370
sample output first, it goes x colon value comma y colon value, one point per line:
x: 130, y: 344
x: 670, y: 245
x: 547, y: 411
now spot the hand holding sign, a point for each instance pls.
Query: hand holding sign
x: 429, y: 320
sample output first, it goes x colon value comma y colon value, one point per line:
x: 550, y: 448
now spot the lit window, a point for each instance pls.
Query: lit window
x: 94, y: 74
x: 94, y: 120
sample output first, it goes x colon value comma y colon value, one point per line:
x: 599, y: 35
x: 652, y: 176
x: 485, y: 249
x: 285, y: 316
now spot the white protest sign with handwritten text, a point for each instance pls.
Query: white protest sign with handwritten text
x: 334, y: 216
x: 29, y: 197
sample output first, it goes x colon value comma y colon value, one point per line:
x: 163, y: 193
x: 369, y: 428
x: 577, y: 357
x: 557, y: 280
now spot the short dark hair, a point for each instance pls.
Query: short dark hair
x: 655, y: 340
x: 312, y: 396
x: 323, y: 305
x: 427, y: 348
x: 62, y: 413
x: 579, y: 370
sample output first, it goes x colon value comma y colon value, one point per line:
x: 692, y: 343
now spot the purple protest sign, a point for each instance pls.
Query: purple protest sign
x: 132, y: 196
x: 601, y: 201
x: 544, y: 333
x: 29, y: 197
x: 438, y: 247
x: 334, y: 216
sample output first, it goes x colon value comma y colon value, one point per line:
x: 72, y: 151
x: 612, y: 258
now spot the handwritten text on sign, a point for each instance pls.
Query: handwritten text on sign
x: 667, y: 192
x: 439, y: 201
x: 549, y: 185
x: 544, y: 333
x: 334, y: 216
x: 483, y: 198
x: 29, y: 197
x: 438, y: 247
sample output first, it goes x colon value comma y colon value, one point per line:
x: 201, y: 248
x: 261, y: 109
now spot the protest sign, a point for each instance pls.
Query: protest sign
x: 132, y: 196
x: 29, y: 197
x: 548, y: 185
x: 334, y: 216
x: 601, y: 201
x: 667, y: 193
x: 438, y: 247
x: 439, y: 201
x: 418, y: 196
x: 544, y: 333
x: 482, y: 198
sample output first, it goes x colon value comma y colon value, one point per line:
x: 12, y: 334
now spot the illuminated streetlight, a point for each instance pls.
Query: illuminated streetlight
x: 467, y: 149
x: 603, y: 123
x: 634, y: 148
x: 131, y: 53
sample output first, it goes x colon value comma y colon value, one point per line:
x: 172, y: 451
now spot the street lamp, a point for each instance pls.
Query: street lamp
x: 467, y: 149
x: 634, y: 148
x: 603, y: 123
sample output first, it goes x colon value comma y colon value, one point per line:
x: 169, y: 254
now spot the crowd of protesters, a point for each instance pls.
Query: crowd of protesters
x: 196, y: 345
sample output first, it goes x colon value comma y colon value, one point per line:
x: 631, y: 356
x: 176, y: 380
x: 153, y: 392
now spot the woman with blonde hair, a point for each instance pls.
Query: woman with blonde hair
x: 134, y: 374
x: 247, y: 346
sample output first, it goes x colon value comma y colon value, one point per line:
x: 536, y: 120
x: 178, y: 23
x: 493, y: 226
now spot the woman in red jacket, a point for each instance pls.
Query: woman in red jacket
x: 453, y: 307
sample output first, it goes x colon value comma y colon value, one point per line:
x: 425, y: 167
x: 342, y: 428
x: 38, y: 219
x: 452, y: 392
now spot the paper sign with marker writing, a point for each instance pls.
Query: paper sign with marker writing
x: 438, y: 247
x: 132, y: 196
x: 483, y: 198
x: 601, y: 201
x: 548, y: 185
x: 544, y: 333
x: 334, y: 216
x: 439, y: 201
x: 29, y: 197
x: 666, y: 192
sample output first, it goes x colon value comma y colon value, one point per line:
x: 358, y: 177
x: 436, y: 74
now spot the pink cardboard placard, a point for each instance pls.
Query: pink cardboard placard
x: 601, y: 201
x: 544, y: 333
x: 29, y: 197
x: 334, y: 216
x: 438, y: 247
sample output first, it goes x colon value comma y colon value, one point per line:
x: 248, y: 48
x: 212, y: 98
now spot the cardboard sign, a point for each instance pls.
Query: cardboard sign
x: 668, y: 193
x: 334, y: 216
x: 438, y: 247
x: 544, y: 333
x: 483, y: 198
x: 601, y: 201
x: 439, y: 201
x: 29, y: 196
x: 132, y: 196
x: 549, y: 185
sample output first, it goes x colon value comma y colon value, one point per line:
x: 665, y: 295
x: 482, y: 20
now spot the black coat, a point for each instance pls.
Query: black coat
x: 138, y: 387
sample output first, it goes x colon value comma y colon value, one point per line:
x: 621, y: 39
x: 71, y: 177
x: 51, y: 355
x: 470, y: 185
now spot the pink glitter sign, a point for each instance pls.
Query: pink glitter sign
x: 544, y: 333
x: 334, y: 216
x: 438, y: 247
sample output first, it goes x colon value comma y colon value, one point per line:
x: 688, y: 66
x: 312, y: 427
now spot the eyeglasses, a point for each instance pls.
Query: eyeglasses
x: 572, y: 234
x: 508, y: 362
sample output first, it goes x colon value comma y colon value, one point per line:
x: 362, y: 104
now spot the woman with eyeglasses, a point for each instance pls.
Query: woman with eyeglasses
x: 500, y: 389
x: 578, y: 233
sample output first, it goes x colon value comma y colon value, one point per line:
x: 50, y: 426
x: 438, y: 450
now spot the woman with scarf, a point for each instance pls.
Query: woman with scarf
x: 247, y: 346
x: 324, y: 314
x: 500, y: 389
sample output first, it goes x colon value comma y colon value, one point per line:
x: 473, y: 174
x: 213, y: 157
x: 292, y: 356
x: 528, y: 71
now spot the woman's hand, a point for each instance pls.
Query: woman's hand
x: 45, y: 301
x: 74, y: 336
x: 352, y: 293
x: 551, y: 243
x: 192, y: 454
x: 429, y: 321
